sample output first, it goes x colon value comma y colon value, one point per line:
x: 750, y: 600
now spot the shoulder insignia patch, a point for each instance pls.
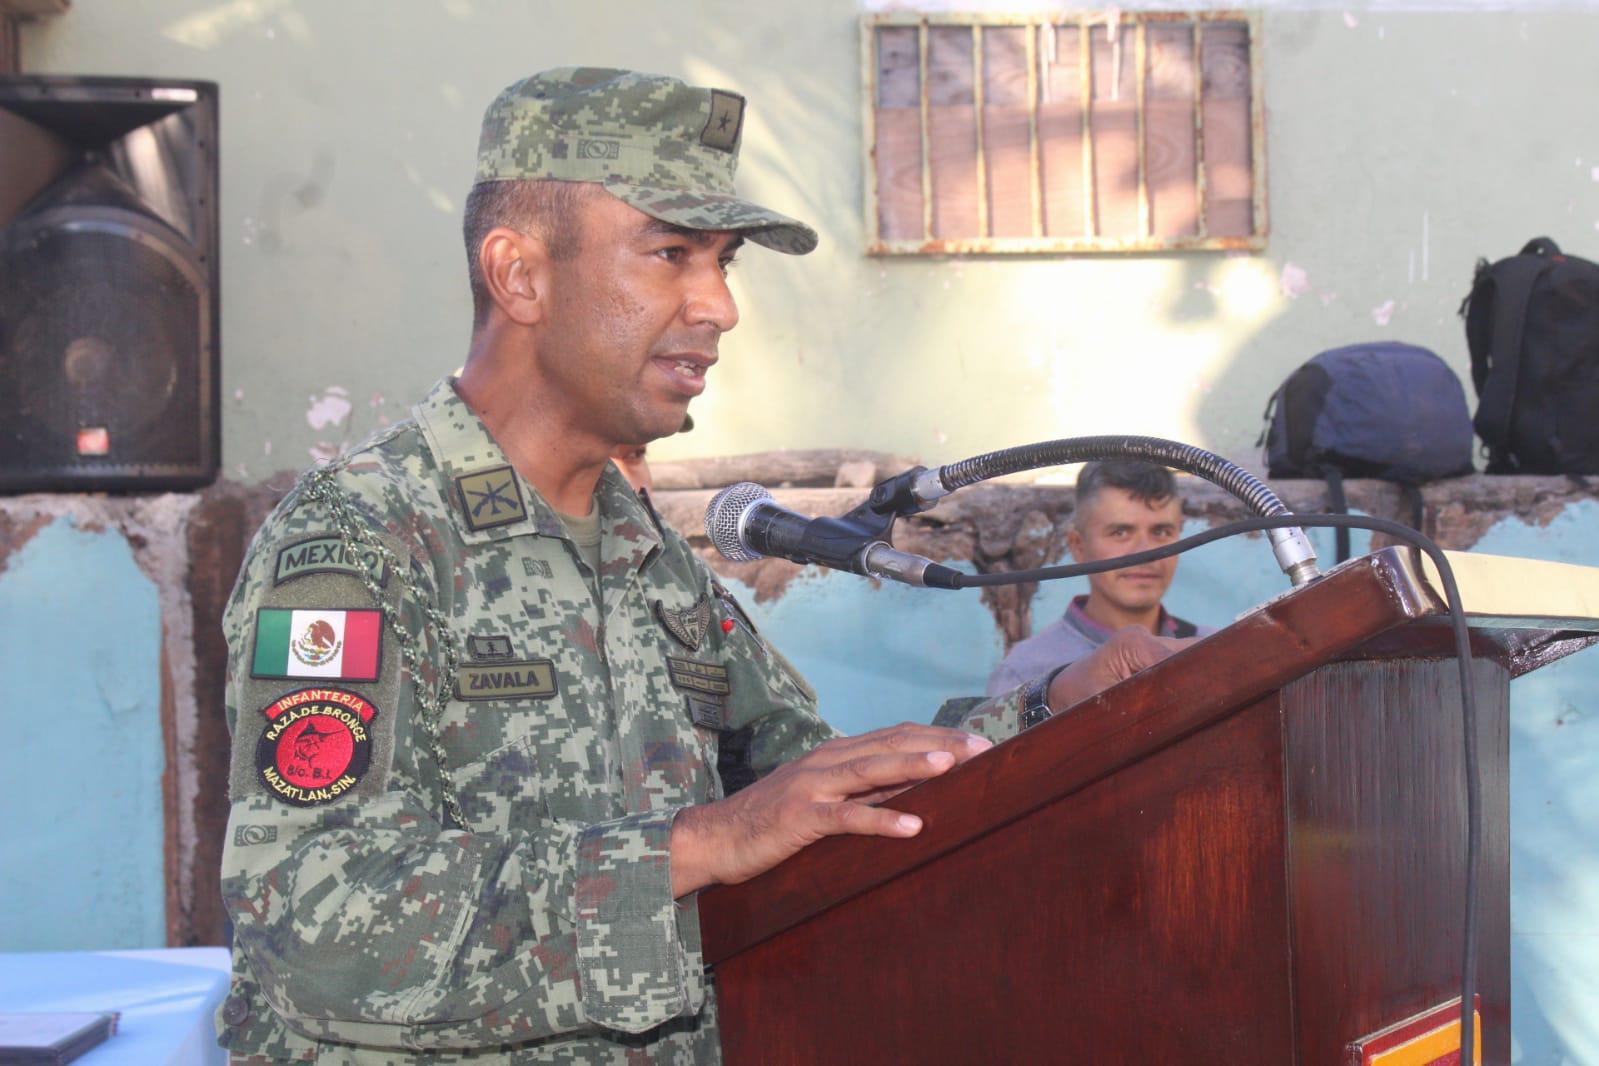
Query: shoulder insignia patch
x: 688, y: 625
x: 323, y: 555
x: 333, y: 644
x: 490, y: 498
x: 316, y: 746
x: 726, y: 119
x: 521, y: 679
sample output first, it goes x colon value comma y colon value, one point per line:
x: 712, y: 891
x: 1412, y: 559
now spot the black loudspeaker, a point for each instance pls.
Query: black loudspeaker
x: 109, y: 297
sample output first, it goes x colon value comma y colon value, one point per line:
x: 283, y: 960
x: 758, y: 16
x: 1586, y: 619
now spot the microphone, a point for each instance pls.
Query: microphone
x: 745, y: 523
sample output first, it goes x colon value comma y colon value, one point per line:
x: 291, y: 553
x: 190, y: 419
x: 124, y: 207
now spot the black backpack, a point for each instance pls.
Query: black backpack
x: 1532, y: 324
x: 1382, y: 410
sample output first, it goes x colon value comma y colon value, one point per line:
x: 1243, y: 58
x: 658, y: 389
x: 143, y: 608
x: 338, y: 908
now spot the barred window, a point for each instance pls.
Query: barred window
x: 1063, y: 133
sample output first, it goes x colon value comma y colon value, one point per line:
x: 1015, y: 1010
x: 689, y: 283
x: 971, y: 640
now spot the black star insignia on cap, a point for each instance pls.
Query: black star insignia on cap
x: 722, y: 125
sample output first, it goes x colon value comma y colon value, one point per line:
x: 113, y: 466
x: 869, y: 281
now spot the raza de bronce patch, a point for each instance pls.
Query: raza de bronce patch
x: 317, y: 745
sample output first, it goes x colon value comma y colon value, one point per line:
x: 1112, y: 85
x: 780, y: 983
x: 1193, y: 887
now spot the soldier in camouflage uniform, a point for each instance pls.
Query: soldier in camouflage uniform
x: 490, y: 718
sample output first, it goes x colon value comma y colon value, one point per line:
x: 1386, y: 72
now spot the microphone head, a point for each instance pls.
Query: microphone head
x: 724, y: 519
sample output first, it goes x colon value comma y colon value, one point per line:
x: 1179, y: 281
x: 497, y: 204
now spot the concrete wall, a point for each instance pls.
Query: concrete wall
x: 1402, y: 146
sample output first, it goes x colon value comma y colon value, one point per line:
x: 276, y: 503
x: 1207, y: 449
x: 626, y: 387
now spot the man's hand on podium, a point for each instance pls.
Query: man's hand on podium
x: 1129, y: 650
x: 827, y: 792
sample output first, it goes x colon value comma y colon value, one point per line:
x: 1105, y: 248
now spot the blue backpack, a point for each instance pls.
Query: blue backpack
x: 1379, y: 410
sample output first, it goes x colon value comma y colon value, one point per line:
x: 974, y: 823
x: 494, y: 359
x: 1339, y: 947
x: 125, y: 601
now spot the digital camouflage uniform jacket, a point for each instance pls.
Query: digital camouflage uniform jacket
x: 370, y: 925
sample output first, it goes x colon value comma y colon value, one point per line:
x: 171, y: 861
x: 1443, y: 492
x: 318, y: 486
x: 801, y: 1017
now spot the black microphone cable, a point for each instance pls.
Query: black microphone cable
x: 1468, y: 697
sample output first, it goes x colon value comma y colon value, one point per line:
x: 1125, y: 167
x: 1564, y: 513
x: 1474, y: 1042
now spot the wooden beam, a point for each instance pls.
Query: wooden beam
x: 10, y: 58
x: 34, y: 8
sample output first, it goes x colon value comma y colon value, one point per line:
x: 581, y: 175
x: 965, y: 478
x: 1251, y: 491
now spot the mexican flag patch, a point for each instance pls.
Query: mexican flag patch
x: 333, y: 644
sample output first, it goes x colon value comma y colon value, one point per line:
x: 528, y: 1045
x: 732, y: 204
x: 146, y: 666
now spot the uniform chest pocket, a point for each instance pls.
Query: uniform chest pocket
x: 501, y: 791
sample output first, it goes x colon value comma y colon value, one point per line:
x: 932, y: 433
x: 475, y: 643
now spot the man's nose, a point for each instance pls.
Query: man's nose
x: 711, y: 302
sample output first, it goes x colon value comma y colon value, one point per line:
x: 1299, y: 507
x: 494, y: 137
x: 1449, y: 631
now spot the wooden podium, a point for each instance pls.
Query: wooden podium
x: 1251, y: 853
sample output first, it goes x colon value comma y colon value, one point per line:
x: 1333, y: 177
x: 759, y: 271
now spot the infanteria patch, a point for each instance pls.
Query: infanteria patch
x: 523, y: 679
x: 537, y: 568
x: 316, y: 747
x: 490, y: 498
x: 686, y: 626
x: 326, y: 555
x: 727, y: 118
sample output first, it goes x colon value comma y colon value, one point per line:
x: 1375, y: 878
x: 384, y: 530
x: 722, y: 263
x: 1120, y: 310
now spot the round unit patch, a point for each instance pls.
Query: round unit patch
x: 316, y: 745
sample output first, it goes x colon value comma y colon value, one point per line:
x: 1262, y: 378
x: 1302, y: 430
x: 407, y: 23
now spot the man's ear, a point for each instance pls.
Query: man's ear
x: 516, y: 272
x: 1074, y: 543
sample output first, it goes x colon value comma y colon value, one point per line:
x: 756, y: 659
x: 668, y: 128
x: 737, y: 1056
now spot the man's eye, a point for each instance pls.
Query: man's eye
x: 728, y: 264
x: 672, y: 253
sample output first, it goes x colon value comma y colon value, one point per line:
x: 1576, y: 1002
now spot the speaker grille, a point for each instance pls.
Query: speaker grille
x: 111, y: 314
x: 108, y: 290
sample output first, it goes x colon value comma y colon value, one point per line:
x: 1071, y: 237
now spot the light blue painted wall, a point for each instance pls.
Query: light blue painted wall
x: 80, y: 637
x: 879, y: 656
x: 1554, y: 821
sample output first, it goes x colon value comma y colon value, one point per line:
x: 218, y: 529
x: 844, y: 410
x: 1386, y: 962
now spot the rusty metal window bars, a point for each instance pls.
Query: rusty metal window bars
x: 1097, y: 132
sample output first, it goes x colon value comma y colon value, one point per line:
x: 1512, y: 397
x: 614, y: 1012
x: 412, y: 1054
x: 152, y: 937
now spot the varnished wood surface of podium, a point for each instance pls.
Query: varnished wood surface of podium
x: 1253, y: 852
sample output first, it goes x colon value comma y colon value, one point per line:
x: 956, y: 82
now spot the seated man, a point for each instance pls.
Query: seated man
x: 1123, y: 506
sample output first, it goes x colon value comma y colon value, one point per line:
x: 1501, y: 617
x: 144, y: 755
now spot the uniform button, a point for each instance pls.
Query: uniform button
x: 236, y: 1011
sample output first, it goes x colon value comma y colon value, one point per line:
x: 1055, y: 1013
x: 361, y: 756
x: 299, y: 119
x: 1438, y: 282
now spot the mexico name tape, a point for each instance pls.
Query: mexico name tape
x: 334, y: 644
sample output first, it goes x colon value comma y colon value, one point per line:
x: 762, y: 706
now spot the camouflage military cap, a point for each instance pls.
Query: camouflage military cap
x: 667, y: 148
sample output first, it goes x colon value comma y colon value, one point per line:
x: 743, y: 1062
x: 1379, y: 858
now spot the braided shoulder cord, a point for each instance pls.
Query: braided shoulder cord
x: 319, y: 486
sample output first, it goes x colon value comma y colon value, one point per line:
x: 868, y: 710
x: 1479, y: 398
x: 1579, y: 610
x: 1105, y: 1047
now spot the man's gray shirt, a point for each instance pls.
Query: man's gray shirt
x: 1073, y: 637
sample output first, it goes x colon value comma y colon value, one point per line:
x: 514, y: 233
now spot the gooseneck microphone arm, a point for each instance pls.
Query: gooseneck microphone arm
x: 744, y: 522
x: 918, y: 489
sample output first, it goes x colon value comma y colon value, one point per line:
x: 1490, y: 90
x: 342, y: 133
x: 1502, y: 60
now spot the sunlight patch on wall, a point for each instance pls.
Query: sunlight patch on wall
x: 206, y: 29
